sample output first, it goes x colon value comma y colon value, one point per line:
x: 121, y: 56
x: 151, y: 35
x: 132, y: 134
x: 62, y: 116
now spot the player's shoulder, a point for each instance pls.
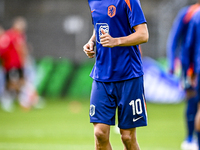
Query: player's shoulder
x: 131, y: 3
x: 93, y: 0
x: 13, y: 33
x: 10, y: 33
x: 183, y: 10
x: 196, y: 17
x: 4, y: 41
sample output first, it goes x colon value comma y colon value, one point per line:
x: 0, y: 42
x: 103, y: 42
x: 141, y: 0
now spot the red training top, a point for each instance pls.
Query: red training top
x: 10, y: 43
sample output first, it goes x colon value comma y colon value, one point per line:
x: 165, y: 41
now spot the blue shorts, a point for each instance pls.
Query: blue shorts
x: 127, y: 96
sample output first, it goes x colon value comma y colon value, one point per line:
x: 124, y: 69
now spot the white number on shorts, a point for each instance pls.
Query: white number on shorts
x: 136, y: 106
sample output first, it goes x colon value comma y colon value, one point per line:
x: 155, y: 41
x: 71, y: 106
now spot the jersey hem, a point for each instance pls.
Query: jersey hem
x: 116, y: 80
x: 133, y: 126
x: 138, y: 23
x: 111, y: 124
x: 121, y: 127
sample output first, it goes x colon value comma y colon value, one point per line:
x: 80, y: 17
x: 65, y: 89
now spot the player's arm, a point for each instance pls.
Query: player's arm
x: 140, y: 36
x: 88, y: 48
x: 22, y: 49
x: 175, y: 35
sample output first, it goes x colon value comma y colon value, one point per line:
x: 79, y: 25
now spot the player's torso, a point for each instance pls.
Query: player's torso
x: 188, y: 14
x: 10, y: 56
x: 109, y: 15
x: 106, y: 10
x: 196, y: 34
x: 118, y: 63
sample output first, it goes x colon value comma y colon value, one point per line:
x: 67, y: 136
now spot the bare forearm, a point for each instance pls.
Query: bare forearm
x: 139, y: 37
x: 93, y: 38
x: 88, y: 48
x: 133, y: 39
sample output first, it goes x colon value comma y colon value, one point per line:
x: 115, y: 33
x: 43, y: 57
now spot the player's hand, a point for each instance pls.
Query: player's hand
x: 107, y: 40
x: 89, y: 49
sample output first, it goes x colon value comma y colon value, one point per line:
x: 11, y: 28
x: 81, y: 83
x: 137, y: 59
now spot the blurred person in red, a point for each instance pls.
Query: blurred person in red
x: 13, y: 54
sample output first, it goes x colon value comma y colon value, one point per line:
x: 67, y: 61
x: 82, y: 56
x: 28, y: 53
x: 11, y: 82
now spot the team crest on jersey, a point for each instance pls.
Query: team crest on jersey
x: 92, y: 110
x: 111, y: 11
x: 99, y: 27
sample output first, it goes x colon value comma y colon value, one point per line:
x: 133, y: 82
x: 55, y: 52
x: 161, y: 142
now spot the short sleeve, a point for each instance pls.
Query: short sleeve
x: 190, y: 45
x: 4, y: 43
x: 134, y: 12
x: 190, y: 40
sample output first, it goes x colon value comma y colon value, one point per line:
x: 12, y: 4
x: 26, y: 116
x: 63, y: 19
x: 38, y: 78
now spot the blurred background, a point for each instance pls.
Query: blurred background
x: 56, y: 33
x: 60, y: 28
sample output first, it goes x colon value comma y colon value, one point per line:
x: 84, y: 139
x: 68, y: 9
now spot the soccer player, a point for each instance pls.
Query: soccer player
x: 193, y: 47
x: 119, y: 27
x: 176, y: 47
x: 13, y: 54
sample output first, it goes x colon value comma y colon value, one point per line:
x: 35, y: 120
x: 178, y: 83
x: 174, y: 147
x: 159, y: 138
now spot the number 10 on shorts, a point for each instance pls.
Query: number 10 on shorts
x: 136, y: 106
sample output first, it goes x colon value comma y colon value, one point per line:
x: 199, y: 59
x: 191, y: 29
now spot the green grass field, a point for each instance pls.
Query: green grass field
x: 64, y: 125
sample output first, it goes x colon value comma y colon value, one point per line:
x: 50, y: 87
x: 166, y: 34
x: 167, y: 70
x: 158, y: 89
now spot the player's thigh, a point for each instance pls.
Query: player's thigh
x: 102, y: 105
x: 101, y: 130
x: 132, y: 107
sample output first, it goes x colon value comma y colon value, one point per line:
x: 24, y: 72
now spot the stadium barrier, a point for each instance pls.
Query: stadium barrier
x: 59, y: 77
x: 44, y: 68
x: 81, y: 82
x: 62, y: 78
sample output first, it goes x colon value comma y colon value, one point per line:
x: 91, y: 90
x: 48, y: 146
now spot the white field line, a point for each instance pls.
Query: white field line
x: 32, y: 146
x: 159, y: 148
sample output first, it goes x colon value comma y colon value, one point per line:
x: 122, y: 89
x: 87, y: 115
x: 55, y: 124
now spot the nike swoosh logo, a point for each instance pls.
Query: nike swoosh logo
x: 93, y: 10
x: 134, y: 120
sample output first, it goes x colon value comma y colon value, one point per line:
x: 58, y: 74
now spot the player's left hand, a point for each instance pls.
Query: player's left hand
x: 107, y: 40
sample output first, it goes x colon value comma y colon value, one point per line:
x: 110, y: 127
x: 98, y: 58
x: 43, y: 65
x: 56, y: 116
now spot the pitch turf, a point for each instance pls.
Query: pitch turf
x: 64, y: 125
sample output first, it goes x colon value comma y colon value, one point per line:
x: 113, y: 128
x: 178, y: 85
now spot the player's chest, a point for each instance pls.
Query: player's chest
x: 106, y: 9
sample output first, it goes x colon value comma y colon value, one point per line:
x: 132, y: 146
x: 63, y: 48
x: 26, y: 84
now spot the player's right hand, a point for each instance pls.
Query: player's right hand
x: 89, y: 49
